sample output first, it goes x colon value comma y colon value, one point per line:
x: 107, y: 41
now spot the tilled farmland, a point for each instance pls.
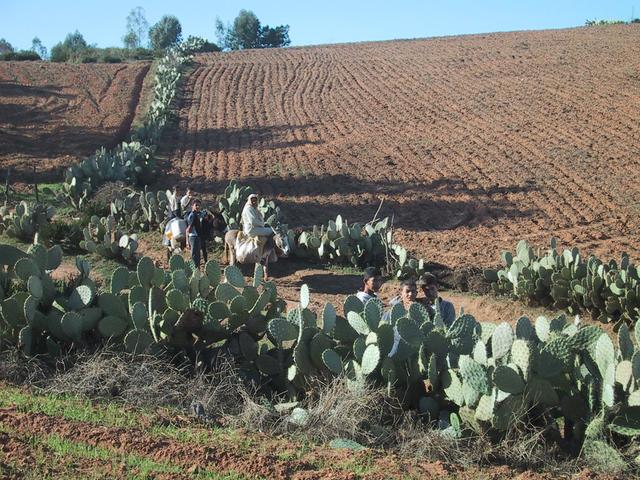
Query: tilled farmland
x: 54, y: 114
x: 473, y: 141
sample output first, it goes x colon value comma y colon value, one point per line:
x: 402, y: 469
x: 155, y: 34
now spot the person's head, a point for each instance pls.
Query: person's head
x: 190, y: 191
x: 196, y: 205
x: 175, y: 189
x: 371, y: 279
x: 428, y: 283
x: 408, y: 291
x: 253, y: 199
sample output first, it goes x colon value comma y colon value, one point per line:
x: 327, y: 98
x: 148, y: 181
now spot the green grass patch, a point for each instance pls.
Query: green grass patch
x: 73, y: 408
x: 344, y: 270
x: 144, y: 467
x: 47, y: 193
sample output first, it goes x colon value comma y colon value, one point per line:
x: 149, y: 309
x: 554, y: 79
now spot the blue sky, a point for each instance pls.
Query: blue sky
x: 311, y: 22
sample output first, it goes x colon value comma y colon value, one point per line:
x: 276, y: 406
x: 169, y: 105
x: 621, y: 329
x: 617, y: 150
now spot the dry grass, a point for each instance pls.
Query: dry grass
x: 17, y: 368
x: 150, y: 381
x: 368, y: 416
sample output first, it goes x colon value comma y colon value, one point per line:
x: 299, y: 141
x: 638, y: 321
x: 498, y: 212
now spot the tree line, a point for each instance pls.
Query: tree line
x: 143, y: 42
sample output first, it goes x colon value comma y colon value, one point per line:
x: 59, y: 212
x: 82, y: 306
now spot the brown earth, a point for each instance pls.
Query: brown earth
x: 266, y: 456
x: 473, y: 141
x: 54, y: 114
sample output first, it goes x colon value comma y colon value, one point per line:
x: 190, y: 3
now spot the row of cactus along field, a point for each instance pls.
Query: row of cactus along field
x: 609, y: 292
x: 469, y: 378
x: 336, y: 243
x: 133, y: 161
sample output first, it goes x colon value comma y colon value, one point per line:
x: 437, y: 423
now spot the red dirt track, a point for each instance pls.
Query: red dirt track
x: 53, y: 114
x: 473, y: 141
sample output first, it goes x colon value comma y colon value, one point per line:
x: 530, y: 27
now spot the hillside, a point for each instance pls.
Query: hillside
x: 53, y: 114
x: 473, y: 141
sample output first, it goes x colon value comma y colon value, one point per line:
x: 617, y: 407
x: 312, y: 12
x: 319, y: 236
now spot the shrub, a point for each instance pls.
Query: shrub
x: 20, y: 56
x: 111, y: 59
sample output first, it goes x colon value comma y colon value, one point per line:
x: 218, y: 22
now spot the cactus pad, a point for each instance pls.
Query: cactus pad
x: 474, y: 373
x: 585, y: 337
x: 72, y: 325
x: 234, y: 276
x: 524, y: 329
x: 357, y: 323
x: 328, y: 319
x: 213, y: 272
x: 542, y: 328
x: 627, y: 423
x: 332, y: 361
x: 485, y: 409
x: 137, y: 341
x: 112, y: 305
x: 177, y: 300
x: 501, y: 340
x: 409, y: 332
x: 373, y: 313
x: 119, y: 280
x: 352, y: 304
x: 304, y: 296
x: 370, y: 359
x: 508, y: 380
x: 112, y: 326
x: 81, y: 297
x: 145, y: 270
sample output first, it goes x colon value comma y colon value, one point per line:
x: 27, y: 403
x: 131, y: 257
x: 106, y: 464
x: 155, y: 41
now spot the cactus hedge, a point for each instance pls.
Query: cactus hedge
x: 471, y: 376
x: 26, y: 219
x: 609, y: 292
x: 132, y: 161
x: 337, y: 242
x: 104, y: 237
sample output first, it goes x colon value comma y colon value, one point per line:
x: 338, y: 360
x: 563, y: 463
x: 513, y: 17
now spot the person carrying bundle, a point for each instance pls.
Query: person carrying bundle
x: 255, y: 229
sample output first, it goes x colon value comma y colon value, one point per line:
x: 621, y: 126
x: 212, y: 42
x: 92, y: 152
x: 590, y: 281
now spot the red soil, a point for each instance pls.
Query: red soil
x: 53, y: 114
x: 474, y: 142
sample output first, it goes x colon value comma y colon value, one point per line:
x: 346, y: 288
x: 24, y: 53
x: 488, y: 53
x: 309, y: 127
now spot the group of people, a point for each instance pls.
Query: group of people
x: 200, y: 225
x: 427, y: 284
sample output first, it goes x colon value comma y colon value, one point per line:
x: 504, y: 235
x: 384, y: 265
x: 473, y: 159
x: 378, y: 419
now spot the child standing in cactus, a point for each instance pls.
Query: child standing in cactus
x: 371, y: 283
x: 428, y: 284
x: 186, y: 202
x: 175, y: 209
x: 195, y: 233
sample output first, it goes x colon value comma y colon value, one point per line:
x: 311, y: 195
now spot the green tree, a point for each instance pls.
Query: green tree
x: 71, y: 49
x: 39, y: 48
x: 5, y: 47
x: 165, y: 33
x: 274, y: 37
x: 247, y: 32
x: 137, y: 28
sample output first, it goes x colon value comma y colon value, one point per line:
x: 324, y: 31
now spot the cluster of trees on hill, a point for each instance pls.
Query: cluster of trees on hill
x: 143, y: 42
x: 247, y: 32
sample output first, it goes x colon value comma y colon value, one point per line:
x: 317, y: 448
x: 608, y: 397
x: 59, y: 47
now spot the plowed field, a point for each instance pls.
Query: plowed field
x: 474, y: 142
x: 54, y: 114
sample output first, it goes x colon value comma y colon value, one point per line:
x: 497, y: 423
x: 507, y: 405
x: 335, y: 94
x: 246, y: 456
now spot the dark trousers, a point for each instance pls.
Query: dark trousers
x: 198, y: 246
